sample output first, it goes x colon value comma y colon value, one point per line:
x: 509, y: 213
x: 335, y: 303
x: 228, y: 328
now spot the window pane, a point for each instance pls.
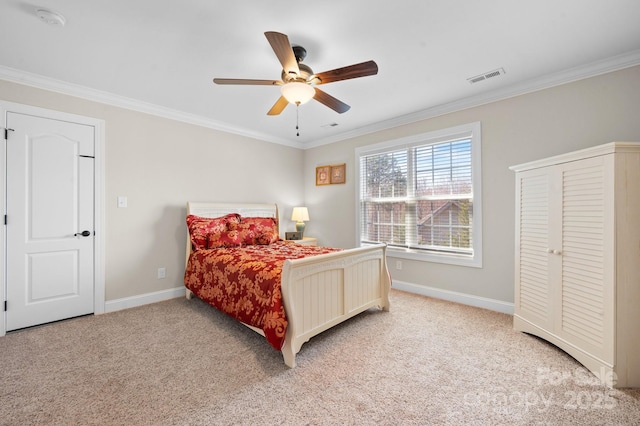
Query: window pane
x: 445, y: 223
x: 384, y: 175
x: 383, y: 222
x: 443, y: 169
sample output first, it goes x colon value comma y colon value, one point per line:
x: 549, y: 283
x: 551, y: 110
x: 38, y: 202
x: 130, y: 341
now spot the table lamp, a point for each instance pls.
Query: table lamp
x: 300, y: 215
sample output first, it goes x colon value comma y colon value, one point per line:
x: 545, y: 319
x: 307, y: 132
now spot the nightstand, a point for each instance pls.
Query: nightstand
x: 307, y: 241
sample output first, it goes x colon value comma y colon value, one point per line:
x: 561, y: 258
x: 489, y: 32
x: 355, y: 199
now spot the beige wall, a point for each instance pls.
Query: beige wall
x: 159, y: 165
x: 536, y: 125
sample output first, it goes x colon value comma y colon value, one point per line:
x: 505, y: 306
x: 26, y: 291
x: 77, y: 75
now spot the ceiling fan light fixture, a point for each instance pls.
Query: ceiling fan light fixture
x: 297, y: 93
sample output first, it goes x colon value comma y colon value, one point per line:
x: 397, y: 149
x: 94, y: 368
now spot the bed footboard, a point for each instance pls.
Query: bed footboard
x: 321, y: 291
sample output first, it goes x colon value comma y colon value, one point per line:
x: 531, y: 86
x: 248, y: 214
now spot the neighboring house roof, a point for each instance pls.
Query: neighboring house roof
x: 444, y: 207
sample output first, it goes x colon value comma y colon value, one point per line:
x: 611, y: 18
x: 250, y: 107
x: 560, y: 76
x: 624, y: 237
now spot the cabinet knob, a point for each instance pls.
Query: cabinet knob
x: 557, y: 252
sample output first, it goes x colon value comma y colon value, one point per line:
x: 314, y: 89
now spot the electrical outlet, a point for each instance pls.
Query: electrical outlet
x: 398, y: 264
x: 162, y: 273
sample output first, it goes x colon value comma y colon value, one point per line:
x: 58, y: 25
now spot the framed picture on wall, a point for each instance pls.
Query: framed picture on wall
x: 338, y: 173
x: 323, y: 175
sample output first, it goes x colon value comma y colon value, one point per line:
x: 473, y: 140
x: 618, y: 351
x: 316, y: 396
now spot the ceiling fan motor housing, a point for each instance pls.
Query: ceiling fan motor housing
x: 304, y: 77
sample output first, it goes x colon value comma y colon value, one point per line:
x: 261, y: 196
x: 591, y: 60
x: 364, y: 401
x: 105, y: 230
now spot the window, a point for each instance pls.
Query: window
x: 421, y: 196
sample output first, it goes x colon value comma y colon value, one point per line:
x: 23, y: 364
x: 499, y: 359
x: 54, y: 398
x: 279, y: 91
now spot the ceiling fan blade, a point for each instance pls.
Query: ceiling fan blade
x: 328, y: 100
x: 279, y: 106
x: 345, y: 73
x: 247, y: 81
x: 282, y: 48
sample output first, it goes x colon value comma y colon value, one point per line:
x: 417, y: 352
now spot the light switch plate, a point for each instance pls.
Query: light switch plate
x: 122, y: 201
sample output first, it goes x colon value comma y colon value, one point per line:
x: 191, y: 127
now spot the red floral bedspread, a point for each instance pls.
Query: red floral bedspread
x: 244, y: 282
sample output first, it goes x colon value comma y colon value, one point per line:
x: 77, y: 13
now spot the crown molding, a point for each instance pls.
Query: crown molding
x: 65, y: 88
x: 578, y: 73
x: 604, y: 66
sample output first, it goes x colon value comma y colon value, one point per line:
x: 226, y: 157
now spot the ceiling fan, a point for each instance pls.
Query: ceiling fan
x: 298, y: 80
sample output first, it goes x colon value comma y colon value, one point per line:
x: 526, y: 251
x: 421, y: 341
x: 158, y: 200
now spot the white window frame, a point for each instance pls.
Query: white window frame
x: 472, y: 131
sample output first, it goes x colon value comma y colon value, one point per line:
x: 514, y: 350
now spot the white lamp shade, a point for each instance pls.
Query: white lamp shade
x: 300, y: 214
x: 297, y: 93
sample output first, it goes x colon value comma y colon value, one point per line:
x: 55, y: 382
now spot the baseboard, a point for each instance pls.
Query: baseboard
x: 143, y: 299
x: 453, y: 296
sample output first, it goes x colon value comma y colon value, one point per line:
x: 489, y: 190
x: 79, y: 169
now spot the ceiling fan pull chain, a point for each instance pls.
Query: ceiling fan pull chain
x: 297, y: 108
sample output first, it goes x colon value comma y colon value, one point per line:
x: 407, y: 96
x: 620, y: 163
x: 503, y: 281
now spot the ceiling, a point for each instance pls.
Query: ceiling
x: 161, y: 56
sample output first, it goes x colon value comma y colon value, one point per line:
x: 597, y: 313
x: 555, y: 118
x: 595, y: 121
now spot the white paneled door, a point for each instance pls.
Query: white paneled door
x: 50, y: 220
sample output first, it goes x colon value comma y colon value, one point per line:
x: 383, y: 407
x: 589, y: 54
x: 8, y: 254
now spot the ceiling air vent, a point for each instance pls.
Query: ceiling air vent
x: 486, y: 75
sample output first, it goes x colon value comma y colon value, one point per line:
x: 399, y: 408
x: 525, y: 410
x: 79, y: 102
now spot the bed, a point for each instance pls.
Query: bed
x: 317, y: 292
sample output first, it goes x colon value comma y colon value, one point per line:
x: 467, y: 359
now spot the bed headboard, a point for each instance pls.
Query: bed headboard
x: 221, y: 209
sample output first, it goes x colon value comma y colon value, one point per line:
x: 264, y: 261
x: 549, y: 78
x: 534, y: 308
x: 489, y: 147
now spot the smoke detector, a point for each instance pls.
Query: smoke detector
x: 50, y: 17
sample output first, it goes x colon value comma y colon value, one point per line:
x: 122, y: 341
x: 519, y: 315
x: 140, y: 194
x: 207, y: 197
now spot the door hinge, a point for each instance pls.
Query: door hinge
x: 5, y: 219
x: 5, y: 306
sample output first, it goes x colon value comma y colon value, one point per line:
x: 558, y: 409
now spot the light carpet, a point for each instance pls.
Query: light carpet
x: 180, y: 362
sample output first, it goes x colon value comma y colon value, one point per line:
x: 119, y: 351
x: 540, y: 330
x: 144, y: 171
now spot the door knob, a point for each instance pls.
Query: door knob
x: 83, y: 233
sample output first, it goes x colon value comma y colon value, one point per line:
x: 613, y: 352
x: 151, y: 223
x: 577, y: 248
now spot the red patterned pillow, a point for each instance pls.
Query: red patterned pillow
x: 227, y: 238
x: 258, y: 230
x: 201, y: 227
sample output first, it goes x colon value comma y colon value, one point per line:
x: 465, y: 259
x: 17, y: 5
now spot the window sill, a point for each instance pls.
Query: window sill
x: 450, y: 259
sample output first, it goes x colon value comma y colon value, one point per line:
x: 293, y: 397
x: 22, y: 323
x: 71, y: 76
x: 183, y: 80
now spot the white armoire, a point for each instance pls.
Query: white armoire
x: 577, y: 267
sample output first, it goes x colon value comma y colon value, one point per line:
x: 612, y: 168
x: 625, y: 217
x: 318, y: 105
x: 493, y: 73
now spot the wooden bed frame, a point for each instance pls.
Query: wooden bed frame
x: 321, y: 291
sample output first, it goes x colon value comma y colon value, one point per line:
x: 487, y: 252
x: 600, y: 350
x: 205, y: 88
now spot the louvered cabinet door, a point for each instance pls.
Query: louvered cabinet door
x: 533, y: 293
x: 585, y: 316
